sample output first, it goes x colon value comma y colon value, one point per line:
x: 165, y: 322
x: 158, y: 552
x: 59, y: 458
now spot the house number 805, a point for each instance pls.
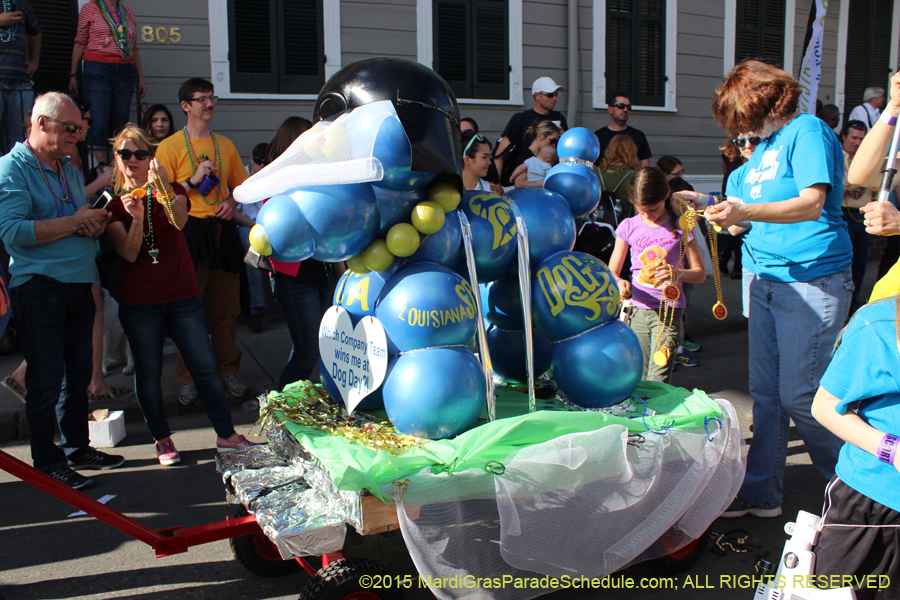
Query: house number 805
x: 161, y: 34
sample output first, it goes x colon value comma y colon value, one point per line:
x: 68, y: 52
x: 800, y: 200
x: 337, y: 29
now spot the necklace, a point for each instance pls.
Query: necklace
x: 7, y: 34
x: 192, y: 156
x: 687, y: 221
x: 140, y: 193
x: 61, y: 177
x: 666, y: 315
x: 119, y: 30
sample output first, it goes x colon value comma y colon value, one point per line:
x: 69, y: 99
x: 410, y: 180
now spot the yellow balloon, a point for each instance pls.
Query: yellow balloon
x: 402, y: 240
x: 336, y: 143
x: 445, y: 194
x: 428, y: 217
x: 377, y: 257
x: 259, y: 241
x: 312, y: 141
x: 357, y: 265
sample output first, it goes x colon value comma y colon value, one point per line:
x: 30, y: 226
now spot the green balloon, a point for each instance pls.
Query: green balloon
x: 377, y: 257
x: 428, y: 217
x: 357, y: 265
x: 402, y: 240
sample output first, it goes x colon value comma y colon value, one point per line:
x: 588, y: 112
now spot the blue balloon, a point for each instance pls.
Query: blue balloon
x: 504, y: 305
x: 373, y: 401
x: 444, y: 247
x: 579, y: 142
x: 551, y: 226
x: 289, y: 233
x: 393, y: 149
x: 577, y: 184
x: 426, y: 305
x: 493, y: 233
x: 395, y: 207
x: 507, y: 350
x: 599, y: 368
x: 571, y: 293
x: 343, y: 218
x: 434, y: 394
x: 358, y: 293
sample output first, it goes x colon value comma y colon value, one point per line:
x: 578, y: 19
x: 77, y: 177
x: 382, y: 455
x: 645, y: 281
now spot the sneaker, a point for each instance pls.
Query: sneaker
x: 223, y: 445
x: 235, y: 386
x: 64, y: 474
x: 684, y: 358
x: 187, y: 395
x: 739, y: 508
x: 94, y: 459
x: 166, y: 453
x: 690, y: 345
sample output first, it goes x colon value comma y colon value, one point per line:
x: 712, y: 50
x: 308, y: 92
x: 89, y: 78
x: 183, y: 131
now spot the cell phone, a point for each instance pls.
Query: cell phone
x: 102, y: 201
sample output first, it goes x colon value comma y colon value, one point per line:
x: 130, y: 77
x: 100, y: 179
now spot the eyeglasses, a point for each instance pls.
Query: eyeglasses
x: 138, y: 154
x: 621, y: 106
x: 205, y: 99
x: 549, y: 94
x: 478, y: 137
x: 741, y: 142
x: 677, y: 173
x: 258, y: 161
x: 69, y: 127
x: 553, y: 140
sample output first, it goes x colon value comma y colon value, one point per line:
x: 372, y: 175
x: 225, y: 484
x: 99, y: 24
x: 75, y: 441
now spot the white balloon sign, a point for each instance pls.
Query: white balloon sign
x: 356, y: 357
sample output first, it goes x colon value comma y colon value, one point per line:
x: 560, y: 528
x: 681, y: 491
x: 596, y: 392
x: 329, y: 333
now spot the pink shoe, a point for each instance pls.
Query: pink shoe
x: 167, y: 454
x: 223, y: 445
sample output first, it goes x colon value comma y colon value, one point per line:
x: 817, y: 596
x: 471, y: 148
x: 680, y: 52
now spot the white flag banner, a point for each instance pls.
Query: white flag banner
x: 811, y: 67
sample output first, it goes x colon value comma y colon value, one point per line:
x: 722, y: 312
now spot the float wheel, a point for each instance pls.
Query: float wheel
x: 340, y: 580
x: 258, y: 554
x: 680, y: 560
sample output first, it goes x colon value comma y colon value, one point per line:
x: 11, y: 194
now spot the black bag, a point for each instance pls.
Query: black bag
x: 511, y: 152
x: 597, y: 233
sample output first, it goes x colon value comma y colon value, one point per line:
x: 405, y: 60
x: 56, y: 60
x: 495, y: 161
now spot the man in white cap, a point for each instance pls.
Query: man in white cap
x: 619, y: 107
x: 544, y: 90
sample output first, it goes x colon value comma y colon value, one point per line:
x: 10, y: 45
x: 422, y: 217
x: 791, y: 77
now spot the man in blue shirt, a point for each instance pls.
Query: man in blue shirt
x: 48, y: 227
x: 19, y: 57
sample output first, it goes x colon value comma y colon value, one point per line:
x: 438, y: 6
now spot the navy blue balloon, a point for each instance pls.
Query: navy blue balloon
x: 434, y: 394
x: 343, y: 218
x: 571, y: 293
x: 504, y: 305
x: 444, y: 247
x: 508, y: 354
x: 357, y: 293
x: 395, y: 207
x: 579, y: 142
x: 493, y: 233
x: 373, y: 401
x: 577, y: 184
x: 393, y: 149
x: 599, y: 368
x: 551, y: 226
x: 425, y: 305
x: 289, y: 233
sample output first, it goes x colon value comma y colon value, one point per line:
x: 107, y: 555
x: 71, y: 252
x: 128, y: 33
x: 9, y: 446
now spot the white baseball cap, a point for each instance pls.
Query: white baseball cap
x: 544, y: 85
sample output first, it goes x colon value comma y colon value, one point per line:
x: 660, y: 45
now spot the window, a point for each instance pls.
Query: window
x: 275, y: 46
x: 760, y: 31
x: 471, y: 47
x: 868, y: 48
x: 635, y: 52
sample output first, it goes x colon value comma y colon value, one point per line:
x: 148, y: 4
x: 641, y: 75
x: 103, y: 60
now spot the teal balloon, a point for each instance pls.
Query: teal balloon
x: 393, y: 149
x: 343, y: 218
x: 551, y: 226
x: 572, y: 292
x: 508, y: 356
x: 444, y: 247
x: 577, y: 184
x: 358, y: 294
x: 580, y: 143
x: 493, y: 233
x: 395, y: 207
x: 289, y: 233
x: 426, y: 305
x: 599, y: 368
x: 373, y: 401
x: 434, y: 394
x: 504, y: 305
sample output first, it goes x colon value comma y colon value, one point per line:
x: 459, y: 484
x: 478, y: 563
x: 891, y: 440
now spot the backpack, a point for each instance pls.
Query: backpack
x: 597, y: 234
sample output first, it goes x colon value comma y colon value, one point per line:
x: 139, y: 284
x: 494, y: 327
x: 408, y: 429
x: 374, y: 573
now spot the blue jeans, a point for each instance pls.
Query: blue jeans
x: 18, y: 98
x: 145, y: 327
x: 256, y: 278
x: 792, y: 331
x: 860, y: 241
x: 55, y: 321
x: 303, y: 306
x: 109, y: 88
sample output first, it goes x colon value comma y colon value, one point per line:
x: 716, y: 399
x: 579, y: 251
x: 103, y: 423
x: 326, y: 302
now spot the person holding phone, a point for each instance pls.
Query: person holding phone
x: 158, y: 292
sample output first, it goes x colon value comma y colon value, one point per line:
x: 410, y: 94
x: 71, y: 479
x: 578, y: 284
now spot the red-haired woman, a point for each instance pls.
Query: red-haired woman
x: 796, y: 262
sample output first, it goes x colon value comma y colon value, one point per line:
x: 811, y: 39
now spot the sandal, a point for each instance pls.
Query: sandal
x: 13, y: 387
x: 115, y: 394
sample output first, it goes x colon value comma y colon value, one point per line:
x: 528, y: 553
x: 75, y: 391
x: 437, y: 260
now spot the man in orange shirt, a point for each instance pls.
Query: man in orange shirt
x: 208, y: 166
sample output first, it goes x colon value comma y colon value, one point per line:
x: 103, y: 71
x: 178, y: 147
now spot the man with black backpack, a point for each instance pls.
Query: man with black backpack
x: 544, y: 90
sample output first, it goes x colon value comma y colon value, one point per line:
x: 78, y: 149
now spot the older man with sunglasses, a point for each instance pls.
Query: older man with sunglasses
x: 619, y: 109
x: 48, y: 229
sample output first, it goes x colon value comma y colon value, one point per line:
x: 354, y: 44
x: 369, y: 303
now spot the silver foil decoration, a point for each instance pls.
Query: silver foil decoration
x: 479, y: 318
x: 525, y: 293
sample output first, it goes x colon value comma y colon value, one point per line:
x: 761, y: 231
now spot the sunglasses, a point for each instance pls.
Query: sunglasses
x: 621, y: 106
x: 549, y: 95
x: 258, y: 161
x: 475, y: 137
x: 205, y: 99
x: 741, y: 142
x: 138, y: 154
x: 69, y: 127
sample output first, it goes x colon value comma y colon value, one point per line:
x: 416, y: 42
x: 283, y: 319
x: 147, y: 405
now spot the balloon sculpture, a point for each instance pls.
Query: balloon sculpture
x: 381, y: 190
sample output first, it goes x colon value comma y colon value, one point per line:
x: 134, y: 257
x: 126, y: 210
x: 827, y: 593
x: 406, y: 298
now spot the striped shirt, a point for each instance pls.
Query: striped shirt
x: 14, y: 52
x: 95, y: 35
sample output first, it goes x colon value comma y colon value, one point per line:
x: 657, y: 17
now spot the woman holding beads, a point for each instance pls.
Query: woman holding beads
x: 159, y: 292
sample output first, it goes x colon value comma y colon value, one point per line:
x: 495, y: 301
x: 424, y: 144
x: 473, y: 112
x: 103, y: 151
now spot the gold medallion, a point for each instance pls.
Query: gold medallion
x: 686, y: 223
x: 671, y: 293
x: 661, y: 357
x: 717, y: 228
x: 719, y: 311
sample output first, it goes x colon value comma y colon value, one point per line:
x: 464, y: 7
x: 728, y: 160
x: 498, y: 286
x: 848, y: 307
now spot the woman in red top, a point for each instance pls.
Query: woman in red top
x: 158, y: 292
x: 107, y: 40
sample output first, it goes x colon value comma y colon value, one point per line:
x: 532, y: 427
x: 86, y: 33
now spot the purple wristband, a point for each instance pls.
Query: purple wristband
x: 888, y: 119
x: 888, y: 448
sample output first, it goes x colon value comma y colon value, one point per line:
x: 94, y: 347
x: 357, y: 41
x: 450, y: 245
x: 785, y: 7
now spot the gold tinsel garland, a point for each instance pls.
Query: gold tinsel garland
x: 308, y: 404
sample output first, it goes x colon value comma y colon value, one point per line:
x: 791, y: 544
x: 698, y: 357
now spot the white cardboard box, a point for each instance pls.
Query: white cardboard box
x: 108, y: 432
